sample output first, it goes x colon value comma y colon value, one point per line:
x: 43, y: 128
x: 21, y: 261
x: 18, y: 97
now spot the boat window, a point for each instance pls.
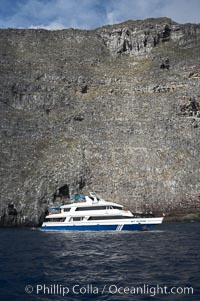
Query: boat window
x: 67, y: 209
x: 77, y: 219
x: 58, y: 219
x: 95, y: 218
x: 91, y: 208
x: 116, y: 207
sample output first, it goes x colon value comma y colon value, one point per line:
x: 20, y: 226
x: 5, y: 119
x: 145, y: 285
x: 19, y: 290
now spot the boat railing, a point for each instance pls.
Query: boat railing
x: 54, y: 210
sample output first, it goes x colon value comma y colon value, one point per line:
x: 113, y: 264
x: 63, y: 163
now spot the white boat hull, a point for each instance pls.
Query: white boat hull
x: 136, y: 224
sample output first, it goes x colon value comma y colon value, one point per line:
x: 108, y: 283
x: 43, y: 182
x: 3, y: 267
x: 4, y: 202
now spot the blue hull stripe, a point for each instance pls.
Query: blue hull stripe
x: 131, y: 227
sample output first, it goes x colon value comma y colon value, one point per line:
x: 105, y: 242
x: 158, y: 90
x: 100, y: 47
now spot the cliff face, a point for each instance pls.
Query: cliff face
x: 114, y: 110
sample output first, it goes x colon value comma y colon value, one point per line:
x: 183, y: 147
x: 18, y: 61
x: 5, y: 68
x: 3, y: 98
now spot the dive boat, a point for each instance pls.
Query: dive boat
x: 92, y: 213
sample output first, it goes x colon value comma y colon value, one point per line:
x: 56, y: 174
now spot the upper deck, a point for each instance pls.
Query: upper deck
x: 90, y: 205
x: 91, y: 200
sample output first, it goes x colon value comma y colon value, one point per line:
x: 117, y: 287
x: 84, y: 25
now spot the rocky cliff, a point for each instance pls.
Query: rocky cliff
x: 114, y: 110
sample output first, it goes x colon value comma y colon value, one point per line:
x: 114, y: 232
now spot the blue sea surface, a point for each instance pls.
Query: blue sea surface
x: 36, y: 265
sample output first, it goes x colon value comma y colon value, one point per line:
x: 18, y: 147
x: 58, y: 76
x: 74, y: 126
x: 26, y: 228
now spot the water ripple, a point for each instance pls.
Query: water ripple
x: 168, y: 256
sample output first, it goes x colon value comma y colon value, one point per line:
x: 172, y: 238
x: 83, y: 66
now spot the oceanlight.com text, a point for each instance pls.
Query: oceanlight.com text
x: 112, y: 289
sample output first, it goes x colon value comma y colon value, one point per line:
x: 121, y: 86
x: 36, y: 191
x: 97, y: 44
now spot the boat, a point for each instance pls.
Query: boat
x: 92, y: 213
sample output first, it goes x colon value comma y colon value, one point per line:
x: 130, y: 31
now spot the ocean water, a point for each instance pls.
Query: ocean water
x: 163, y: 264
